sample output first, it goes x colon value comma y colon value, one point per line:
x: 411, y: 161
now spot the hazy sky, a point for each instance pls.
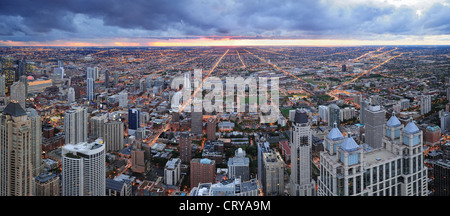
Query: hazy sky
x: 223, y: 22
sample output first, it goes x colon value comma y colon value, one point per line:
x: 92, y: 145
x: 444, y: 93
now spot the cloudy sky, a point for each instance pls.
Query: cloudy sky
x: 223, y: 22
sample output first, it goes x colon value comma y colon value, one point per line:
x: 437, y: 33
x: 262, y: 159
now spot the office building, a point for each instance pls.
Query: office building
x: 58, y: 73
x: 362, y: 111
x: 374, y: 125
x: 172, y: 173
x: 47, y: 184
x: 76, y: 125
x: 133, y: 119
x: 90, y: 89
x: 8, y: 71
x: 272, y: 176
x: 113, y: 136
x: 239, y: 166
x: 16, y: 168
x: 432, y: 135
x: 301, y: 183
x: 334, y: 115
x: 202, y: 171
x: 83, y: 169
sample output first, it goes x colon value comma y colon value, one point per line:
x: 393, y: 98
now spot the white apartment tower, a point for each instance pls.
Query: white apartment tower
x: 76, y: 125
x: 301, y: 183
x: 83, y: 169
x: 172, y: 171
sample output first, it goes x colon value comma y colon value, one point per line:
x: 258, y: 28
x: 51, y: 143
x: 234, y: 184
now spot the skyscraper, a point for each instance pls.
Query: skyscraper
x: 2, y: 86
x: 395, y: 169
x: 272, y: 176
x: 211, y: 129
x: 18, y: 93
x: 113, y: 136
x: 8, y: 71
x: 374, y: 125
x: 47, y: 184
x: 301, y: 142
x: 36, y: 141
x: 106, y: 78
x: 24, y: 79
x: 362, y: 111
x: 76, y: 125
x: 323, y: 113
x: 425, y: 104
x: 96, y: 125
x: 90, y: 89
x: 83, y: 169
x: 16, y: 169
x: 71, y: 95
x: 185, y: 147
x: 133, y: 119
x: 334, y: 115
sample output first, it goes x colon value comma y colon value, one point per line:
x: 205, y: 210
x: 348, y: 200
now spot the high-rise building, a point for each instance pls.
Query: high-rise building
x: 113, y: 136
x: 272, y: 176
x: 344, y: 68
x: 196, y: 123
x: 448, y: 93
x: 185, y: 147
x: 323, y: 113
x: 83, y: 169
x: 202, y: 171
x: 211, y: 129
x: 24, y: 79
x: 362, y: 111
x: 90, y: 89
x: 76, y: 125
x: 18, y: 93
x: 71, y: 95
x: 8, y: 71
x: 96, y: 125
x: 2, y: 86
x: 58, y: 73
x: 425, y: 104
x: 445, y: 121
x: 47, y: 184
x: 404, y: 103
x: 334, y: 115
x: 16, y: 168
x: 106, y: 78
x: 116, y: 78
x: 172, y: 172
x: 395, y: 169
x: 301, y: 183
x: 36, y: 141
x: 133, y: 119
x: 239, y: 166
x: 375, y: 118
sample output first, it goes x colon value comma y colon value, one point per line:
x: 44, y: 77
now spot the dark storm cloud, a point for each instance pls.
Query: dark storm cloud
x: 28, y: 20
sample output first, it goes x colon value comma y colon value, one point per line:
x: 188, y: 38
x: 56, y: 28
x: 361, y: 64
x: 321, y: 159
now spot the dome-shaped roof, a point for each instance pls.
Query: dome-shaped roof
x: 393, y: 122
x: 335, y: 134
x: 349, y: 144
x: 411, y: 128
